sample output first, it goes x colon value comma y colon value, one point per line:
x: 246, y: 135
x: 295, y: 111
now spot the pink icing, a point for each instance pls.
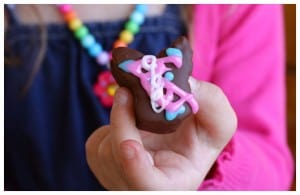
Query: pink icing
x: 163, y: 100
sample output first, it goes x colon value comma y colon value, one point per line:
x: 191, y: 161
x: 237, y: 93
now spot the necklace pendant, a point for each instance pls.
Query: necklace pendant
x: 105, y: 88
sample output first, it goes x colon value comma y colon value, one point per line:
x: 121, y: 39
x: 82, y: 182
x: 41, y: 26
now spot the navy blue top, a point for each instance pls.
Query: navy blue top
x: 45, y: 130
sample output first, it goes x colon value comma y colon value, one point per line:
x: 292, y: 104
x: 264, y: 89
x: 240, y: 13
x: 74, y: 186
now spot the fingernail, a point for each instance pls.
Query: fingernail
x: 121, y: 97
x: 127, y: 152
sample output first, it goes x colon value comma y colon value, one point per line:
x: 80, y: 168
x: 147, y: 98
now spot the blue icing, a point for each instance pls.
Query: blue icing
x: 124, y: 65
x: 172, y: 115
x: 174, y: 52
x: 169, y: 76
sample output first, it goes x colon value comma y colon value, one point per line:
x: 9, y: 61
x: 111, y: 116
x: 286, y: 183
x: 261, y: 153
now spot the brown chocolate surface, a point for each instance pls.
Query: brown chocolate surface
x: 146, y: 118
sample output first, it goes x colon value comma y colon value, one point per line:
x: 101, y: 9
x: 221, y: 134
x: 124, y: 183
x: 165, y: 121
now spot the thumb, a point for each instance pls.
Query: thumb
x: 122, y: 118
x: 127, y: 144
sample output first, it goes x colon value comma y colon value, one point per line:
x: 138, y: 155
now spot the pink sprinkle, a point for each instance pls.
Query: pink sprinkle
x: 103, y: 58
x: 64, y: 8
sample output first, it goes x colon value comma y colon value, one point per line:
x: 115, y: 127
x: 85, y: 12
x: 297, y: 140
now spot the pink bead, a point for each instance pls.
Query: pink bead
x: 64, y: 8
x: 103, y: 58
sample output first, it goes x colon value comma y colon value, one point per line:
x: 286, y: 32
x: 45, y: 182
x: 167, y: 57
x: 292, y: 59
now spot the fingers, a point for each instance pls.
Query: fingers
x: 101, y: 161
x: 215, y: 113
x: 137, y: 165
x: 136, y: 162
x: 109, y: 171
x: 92, y: 145
x: 115, y: 153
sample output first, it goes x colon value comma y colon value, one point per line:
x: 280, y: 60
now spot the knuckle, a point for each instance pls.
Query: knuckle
x: 217, y: 95
x: 234, y: 122
x: 94, y: 138
x: 220, y: 102
x: 104, y: 150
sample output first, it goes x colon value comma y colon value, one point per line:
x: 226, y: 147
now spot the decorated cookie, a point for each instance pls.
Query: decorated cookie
x: 159, y: 84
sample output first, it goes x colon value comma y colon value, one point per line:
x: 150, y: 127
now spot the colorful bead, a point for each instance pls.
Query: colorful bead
x: 111, y: 90
x: 70, y: 15
x: 103, y: 58
x: 132, y: 27
x: 95, y: 49
x: 64, y: 8
x: 126, y: 36
x: 119, y: 43
x: 75, y: 24
x: 81, y: 32
x: 87, y: 41
x: 137, y: 17
x: 141, y: 8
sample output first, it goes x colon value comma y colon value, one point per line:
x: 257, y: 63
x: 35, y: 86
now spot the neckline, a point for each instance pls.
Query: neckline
x: 14, y: 21
x: 168, y: 18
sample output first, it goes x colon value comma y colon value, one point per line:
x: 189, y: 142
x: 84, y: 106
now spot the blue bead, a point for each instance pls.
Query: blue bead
x: 137, y: 17
x: 88, y: 41
x: 169, y: 76
x: 142, y: 8
x: 95, y: 50
x: 174, y: 52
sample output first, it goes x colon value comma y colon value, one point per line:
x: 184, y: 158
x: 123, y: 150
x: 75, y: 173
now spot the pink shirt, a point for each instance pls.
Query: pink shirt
x: 241, y: 49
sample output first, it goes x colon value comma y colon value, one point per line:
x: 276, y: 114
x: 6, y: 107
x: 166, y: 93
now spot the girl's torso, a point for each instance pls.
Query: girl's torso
x: 46, y: 129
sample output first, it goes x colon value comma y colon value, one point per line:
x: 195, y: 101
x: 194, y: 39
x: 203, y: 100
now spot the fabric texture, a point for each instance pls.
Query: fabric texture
x: 240, y: 48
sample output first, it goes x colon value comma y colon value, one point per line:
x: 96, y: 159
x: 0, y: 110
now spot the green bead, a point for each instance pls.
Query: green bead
x: 132, y: 26
x: 81, y: 32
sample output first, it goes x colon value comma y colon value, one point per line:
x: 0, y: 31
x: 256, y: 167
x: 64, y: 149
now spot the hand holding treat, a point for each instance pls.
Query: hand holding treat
x: 159, y: 85
x: 123, y: 157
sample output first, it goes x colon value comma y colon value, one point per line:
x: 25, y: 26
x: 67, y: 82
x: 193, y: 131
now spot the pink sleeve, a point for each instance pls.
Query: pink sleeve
x: 246, y: 59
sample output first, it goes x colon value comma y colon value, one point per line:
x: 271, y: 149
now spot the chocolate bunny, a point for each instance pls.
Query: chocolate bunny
x: 159, y: 85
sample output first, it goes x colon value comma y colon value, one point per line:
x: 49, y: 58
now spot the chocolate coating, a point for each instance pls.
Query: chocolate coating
x: 146, y: 118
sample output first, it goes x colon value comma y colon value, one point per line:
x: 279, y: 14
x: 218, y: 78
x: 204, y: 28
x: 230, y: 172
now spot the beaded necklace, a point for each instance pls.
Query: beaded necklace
x: 105, y: 86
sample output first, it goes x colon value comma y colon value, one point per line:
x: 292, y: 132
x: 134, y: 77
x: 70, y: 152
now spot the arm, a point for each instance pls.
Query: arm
x: 249, y: 67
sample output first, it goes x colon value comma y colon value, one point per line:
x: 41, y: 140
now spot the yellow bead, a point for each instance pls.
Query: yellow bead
x: 75, y: 24
x: 126, y: 36
x: 111, y: 89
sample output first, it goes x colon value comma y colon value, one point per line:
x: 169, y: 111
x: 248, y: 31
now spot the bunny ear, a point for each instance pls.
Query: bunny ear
x: 180, y: 43
x: 180, y: 47
x: 120, y: 58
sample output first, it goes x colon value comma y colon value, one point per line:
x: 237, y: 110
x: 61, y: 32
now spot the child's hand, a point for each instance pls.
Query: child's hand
x: 123, y: 157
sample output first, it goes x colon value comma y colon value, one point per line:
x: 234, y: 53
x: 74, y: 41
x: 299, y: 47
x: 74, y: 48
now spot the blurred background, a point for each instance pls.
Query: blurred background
x: 290, y: 34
